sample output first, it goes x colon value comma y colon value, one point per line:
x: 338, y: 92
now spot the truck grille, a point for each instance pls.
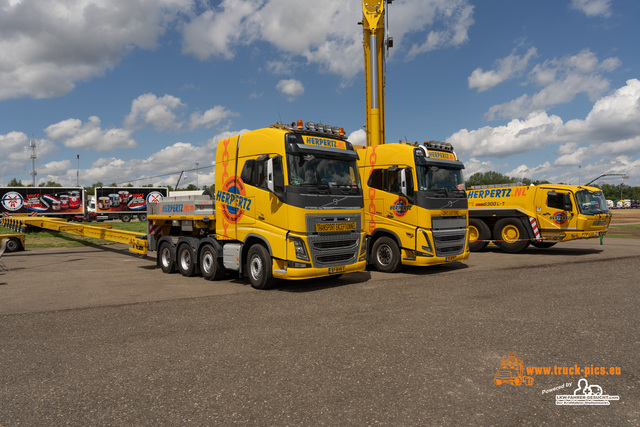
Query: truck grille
x: 450, y: 235
x: 332, y: 249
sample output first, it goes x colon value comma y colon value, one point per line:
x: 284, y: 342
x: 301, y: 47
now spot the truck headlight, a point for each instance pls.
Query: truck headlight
x: 301, y: 250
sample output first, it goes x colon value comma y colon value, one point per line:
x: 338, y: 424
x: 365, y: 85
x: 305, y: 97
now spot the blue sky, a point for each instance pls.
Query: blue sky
x: 546, y: 89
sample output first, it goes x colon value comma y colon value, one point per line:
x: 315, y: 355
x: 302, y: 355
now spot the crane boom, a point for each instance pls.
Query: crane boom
x: 374, y: 67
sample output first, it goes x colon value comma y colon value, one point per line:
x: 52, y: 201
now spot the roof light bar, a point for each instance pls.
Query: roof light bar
x: 437, y: 145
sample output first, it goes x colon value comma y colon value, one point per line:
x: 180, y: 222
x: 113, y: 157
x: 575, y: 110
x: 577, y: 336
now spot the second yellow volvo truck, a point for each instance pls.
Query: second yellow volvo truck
x: 415, y: 199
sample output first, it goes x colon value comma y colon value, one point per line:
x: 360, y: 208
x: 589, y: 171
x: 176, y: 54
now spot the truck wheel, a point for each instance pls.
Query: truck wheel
x: 259, y: 267
x: 166, y: 257
x: 125, y: 217
x: 142, y: 217
x: 386, y: 255
x: 210, y: 265
x: 544, y: 244
x: 478, y: 231
x: 13, y: 245
x: 508, y: 233
x: 185, y: 263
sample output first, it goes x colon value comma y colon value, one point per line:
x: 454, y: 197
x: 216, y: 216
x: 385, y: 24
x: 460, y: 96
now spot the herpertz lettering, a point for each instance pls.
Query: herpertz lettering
x: 233, y: 200
x: 332, y: 143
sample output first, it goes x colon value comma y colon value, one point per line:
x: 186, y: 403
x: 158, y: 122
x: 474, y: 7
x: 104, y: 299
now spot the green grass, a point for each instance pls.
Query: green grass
x: 54, y: 239
x: 628, y: 226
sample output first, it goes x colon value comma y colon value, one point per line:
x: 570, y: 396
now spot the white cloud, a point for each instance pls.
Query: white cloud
x: 571, y: 154
x: 473, y: 165
x: 358, y: 137
x: 16, y: 154
x: 506, y: 68
x: 524, y: 171
x: 210, y: 118
x: 290, y: 87
x: 216, y: 32
x: 90, y: 135
x: 593, y: 7
x: 517, y: 136
x: 212, y: 143
x: 561, y: 80
x: 41, y: 54
x: 326, y: 34
x: 448, y: 22
x: 56, y: 169
x: 148, y: 109
x: 610, y: 131
x: 170, y: 160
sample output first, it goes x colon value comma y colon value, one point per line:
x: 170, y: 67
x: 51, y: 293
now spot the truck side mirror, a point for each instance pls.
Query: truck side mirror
x: 406, y: 183
x: 566, y: 200
x: 275, y: 176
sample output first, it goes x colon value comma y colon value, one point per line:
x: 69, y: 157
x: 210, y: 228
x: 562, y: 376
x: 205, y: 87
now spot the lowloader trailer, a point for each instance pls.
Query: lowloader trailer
x: 21, y: 223
x: 288, y: 204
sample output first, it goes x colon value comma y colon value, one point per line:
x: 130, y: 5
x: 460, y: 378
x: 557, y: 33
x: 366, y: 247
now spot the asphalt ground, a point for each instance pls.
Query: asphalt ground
x: 95, y: 335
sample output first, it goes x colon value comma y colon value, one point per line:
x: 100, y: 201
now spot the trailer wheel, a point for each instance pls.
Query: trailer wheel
x: 259, y: 267
x: 478, y: 231
x: 544, y: 244
x: 142, y: 217
x: 13, y: 245
x: 185, y: 263
x: 166, y: 257
x: 509, y: 233
x: 386, y: 255
x: 210, y: 265
x: 125, y: 217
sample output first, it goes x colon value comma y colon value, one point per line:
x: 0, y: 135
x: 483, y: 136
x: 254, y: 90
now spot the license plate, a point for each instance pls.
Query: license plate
x: 450, y: 258
x: 333, y: 270
x: 335, y: 226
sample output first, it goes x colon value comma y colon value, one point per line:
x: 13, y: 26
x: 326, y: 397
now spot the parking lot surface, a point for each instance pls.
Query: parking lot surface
x: 96, y: 335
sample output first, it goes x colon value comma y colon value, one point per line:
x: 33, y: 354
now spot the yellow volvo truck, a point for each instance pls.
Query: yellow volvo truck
x: 287, y: 205
x: 415, y: 200
x: 415, y: 204
x: 514, y: 216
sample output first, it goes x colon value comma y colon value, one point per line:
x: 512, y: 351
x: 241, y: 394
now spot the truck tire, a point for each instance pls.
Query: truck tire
x: 259, y: 267
x: 185, y: 261
x: 13, y: 245
x: 210, y: 265
x: 544, y: 244
x: 125, y: 217
x: 142, y: 217
x: 166, y: 258
x: 509, y: 234
x: 478, y: 231
x: 386, y: 255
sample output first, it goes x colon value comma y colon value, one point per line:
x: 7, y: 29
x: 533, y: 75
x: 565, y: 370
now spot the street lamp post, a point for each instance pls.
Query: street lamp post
x: 197, y: 164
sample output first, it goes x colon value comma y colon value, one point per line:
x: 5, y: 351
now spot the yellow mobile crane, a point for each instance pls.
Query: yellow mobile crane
x: 415, y: 203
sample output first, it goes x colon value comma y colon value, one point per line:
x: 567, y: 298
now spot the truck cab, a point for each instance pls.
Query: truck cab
x: 292, y: 196
x: 415, y: 204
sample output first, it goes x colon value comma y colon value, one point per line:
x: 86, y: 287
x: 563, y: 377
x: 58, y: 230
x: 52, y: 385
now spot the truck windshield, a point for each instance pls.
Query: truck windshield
x: 310, y: 170
x: 592, y: 202
x: 440, y: 179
